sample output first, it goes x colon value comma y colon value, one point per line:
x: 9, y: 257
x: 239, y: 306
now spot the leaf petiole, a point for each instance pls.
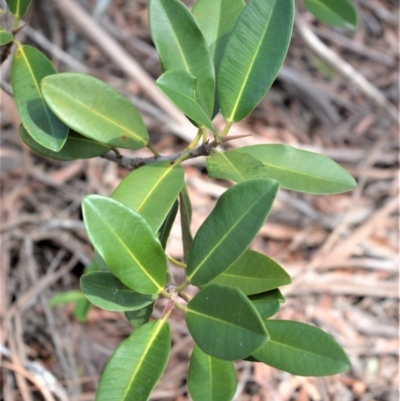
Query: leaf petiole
x: 226, y: 129
x: 176, y: 262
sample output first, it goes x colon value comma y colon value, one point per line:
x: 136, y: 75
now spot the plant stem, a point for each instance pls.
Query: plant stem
x: 180, y: 307
x: 153, y: 149
x: 16, y: 22
x: 226, y: 129
x: 204, y: 133
x: 185, y: 296
x: 182, y: 286
x: 176, y: 262
x: 195, y: 141
x: 165, y: 293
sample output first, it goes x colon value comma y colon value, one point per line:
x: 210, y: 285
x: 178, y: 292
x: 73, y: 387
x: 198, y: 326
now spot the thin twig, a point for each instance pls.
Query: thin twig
x: 131, y: 163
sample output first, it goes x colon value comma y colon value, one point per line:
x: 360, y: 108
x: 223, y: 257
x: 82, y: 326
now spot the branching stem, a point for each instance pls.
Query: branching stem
x: 132, y: 163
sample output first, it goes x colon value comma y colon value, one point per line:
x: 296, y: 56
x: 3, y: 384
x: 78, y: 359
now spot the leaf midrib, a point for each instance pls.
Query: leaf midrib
x: 143, y: 358
x: 129, y: 252
x: 168, y: 171
x: 272, y: 341
x: 102, y: 116
x: 45, y: 107
x: 224, y: 237
x: 221, y: 321
x: 315, y: 177
x: 236, y: 105
x: 177, y: 41
x: 232, y: 166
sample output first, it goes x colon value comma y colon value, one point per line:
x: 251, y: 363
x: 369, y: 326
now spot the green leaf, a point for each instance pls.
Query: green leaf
x: 81, y: 310
x: 267, y: 303
x: 216, y: 19
x: 224, y: 323
x: 253, y: 273
x: 107, y: 292
x: 210, y: 378
x: 137, y: 364
x: 180, y: 44
x: 151, y: 191
x: 341, y: 13
x: 28, y: 68
x: 95, y: 110
x: 235, y: 166
x: 76, y: 147
x: 181, y: 88
x: 5, y: 36
x: 140, y: 317
x: 101, y: 264
x: 18, y: 7
x: 185, y: 209
x: 302, y: 350
x: 254, y: 55
x: 300, y: 170
x: 229, y: 229
x: 165, y: 229
x: 127, y: 244
x: 66, y: 298
x: 82, y: 305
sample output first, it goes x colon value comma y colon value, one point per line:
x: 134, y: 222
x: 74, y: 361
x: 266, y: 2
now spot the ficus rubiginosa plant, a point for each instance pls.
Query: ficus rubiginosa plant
x: 222, y: 56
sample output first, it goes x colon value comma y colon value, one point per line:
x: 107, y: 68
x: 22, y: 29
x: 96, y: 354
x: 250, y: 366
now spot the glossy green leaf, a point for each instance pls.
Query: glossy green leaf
x: 229, y: 229
x: 340, y: 13
x: 151, y: 191
x: 267, y: 303
x: 224, y: 323
x: 181, y: 88
x: 216, y: 19
x: 107, y: 292
x: 19, y: 7
x: 180, y: 44
x: 28, y: 68
x: 210, y: 378
x: 95, y: 110
x: 127, y: 244
x: 300, y: 170
x: 76, y: 147
x: 140, y: 317
x: 185, y: 209
x: 166, y: 226
x: 66, y: 298
x: 5, y: 36
x: 302, y: 350
x: 235, y: 166
x: 137, y: 364
x: 254, y: 55
x: 253, y: 273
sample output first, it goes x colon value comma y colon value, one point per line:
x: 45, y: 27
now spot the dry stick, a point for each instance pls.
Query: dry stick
x: 58, y: 53
x: 345, y: 69
x: 21, y: 372
x: 93, y: 31
x: 17, y: 360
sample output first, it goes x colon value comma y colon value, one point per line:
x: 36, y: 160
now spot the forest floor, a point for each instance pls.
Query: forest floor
x: 342, y: 251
